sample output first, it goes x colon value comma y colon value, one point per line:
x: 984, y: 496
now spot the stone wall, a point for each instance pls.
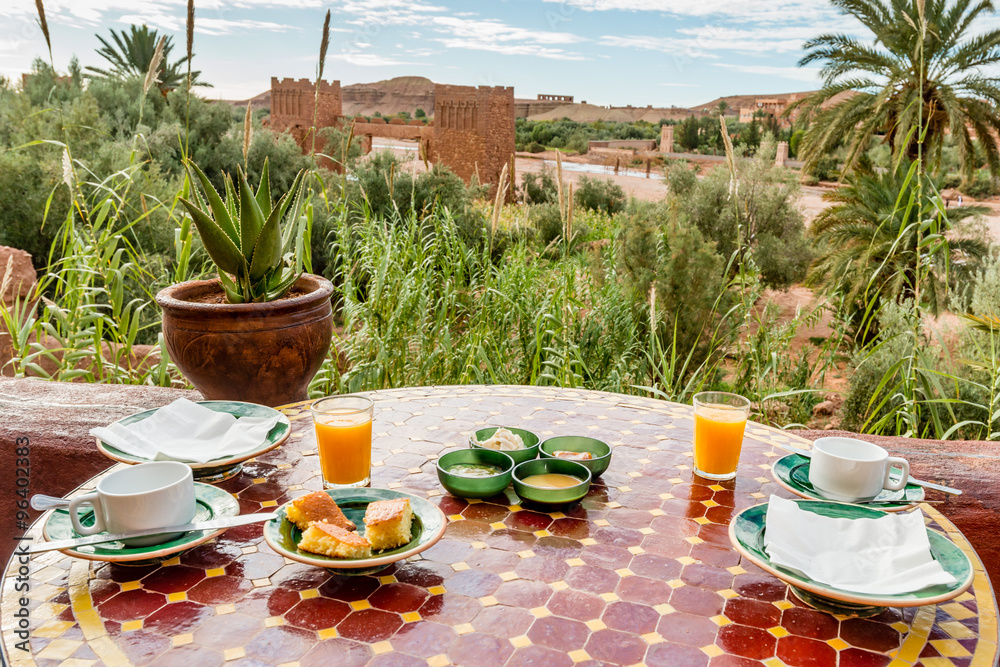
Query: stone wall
x: 628, y: 144
x: 556, y: 98
x: 473, y: 130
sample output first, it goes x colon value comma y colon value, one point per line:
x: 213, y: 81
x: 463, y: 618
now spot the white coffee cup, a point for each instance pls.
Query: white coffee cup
x: 852, y: 470
x: 148, y: 495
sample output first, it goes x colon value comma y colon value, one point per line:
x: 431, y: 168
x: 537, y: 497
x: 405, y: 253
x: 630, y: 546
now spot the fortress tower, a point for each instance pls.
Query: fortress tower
x: 292, y: 105
x: 474, y: 130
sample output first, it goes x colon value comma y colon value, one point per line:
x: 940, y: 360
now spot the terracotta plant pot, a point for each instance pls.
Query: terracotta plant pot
x: 262, y: 353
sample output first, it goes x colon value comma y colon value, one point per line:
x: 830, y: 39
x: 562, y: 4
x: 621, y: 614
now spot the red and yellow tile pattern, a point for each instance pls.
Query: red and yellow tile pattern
x: 639, y: 573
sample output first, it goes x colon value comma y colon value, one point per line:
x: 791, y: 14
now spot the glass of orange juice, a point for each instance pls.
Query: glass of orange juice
x: 344, y: 439
x: 719, y: 420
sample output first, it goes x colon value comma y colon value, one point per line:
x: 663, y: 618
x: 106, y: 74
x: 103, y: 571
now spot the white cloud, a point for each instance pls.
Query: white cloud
x: 755, y: 10
x: 499, y: 37
x: 205, y: 26
x: 808, y: 74
x: 92, y: 12
x: 368, y: 59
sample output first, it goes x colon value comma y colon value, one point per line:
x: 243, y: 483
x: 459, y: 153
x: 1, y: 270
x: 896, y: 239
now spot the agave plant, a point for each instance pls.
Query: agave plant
x: 243, y: 235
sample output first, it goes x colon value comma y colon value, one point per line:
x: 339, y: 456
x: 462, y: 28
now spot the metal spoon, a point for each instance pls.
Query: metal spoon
x: 42, y: 502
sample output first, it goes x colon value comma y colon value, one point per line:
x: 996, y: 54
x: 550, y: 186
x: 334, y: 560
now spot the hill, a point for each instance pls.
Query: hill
x: 388, y: 97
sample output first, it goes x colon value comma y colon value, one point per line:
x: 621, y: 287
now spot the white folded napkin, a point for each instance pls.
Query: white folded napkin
x: 186, y: 431
x: 888, y: 555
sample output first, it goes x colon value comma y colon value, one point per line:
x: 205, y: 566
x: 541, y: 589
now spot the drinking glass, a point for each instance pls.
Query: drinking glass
x: 719, y: 420
x: 344, y: 439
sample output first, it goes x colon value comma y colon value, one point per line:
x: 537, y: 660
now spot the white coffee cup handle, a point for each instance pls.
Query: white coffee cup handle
x: 902, y: 464
x: 94, y: 501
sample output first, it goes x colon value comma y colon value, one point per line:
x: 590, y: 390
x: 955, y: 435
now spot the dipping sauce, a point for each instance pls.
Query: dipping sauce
x: 573, y: 456
x: 473, y: 470
x: 552, y: 480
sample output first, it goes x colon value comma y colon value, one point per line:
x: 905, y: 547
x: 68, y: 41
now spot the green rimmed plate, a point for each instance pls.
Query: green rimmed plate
x: 746, y: 532
x: 212, y: 503
x: 429, y: 524
x: 792, y: 472
x: 220, y: 469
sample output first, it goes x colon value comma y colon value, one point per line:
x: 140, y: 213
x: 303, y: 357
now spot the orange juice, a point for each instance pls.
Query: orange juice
x: 718, y: 437
x: 345, y: 450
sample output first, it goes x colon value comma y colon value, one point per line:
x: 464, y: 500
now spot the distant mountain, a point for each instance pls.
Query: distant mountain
x: 409, y: 93
x: 403, y: 93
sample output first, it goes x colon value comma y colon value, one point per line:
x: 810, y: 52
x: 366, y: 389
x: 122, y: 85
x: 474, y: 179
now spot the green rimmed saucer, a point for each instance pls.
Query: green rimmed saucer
x: 429, y: 524
x: 216, y: 470
x: 792, y: 472
x: 211, y: 503
x: 746, y: 532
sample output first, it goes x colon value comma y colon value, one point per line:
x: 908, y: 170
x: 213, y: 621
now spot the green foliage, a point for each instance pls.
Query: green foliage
x: 595, y: 194
x: 419, y: 113
x: 539, y: 188
x: 918, y: 74
x: 767, y: 207
x: 686, y: 134
x: 384, y: 190
x: 574, y: 136
x: 242, y: 234
x: 794, y: 142
x: 25, y: 188
x: 660, y: 254
x: 132, y: 55
x: 869, y: 241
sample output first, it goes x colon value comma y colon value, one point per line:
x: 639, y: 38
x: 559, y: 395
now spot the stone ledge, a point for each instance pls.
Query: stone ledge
x: 973, y: 466
x: 56, y: 418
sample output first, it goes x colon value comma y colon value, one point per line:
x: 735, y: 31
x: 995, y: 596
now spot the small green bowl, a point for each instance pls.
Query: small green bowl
x: 475, y: 487
x: 551, y: 496
x: 601, y: 451
x: 530, y: 440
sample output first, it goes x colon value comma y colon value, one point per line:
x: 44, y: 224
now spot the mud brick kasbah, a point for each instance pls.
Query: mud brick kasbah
x: 472, y: 132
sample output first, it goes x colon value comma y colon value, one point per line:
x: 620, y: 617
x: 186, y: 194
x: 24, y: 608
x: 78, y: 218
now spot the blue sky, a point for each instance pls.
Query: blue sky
x: 659, y: 52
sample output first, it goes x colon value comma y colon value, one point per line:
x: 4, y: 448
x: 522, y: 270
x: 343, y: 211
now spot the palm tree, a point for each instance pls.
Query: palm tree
x: 868, y: 239
x: 877, y: 88
x: 133, y: 55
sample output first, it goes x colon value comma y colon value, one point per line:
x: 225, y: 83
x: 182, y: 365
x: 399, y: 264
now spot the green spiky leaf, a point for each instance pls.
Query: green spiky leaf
x: 267, y: 252
x: 220, y: 212
x: 251, y: 217
x: 220, y: 247
x: 264, y: 190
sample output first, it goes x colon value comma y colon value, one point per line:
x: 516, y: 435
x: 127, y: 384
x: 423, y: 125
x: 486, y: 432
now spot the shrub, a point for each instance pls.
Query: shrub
x: 595, y: 194
x: 657, y: 251
x: 535, y: 147
x: 981, y: 186
x: 680, y: 179
x: 548, y: 223
x: 827, y: 169
x: 767, y: 202
x: 24, y: 189
x: 539, y: 188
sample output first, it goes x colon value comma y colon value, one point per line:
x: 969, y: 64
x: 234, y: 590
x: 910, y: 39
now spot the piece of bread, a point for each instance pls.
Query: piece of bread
x: 330, y: 540
x: 388, y: 523
x: 317, y: 506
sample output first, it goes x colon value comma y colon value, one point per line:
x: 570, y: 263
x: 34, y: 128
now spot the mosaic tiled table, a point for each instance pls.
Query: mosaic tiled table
x: 640, y: 572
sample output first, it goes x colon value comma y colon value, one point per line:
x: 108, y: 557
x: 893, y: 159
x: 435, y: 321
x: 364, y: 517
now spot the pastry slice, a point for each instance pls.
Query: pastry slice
x: 388, y: 523
x: 330, y: 540
x: 317, y: 506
